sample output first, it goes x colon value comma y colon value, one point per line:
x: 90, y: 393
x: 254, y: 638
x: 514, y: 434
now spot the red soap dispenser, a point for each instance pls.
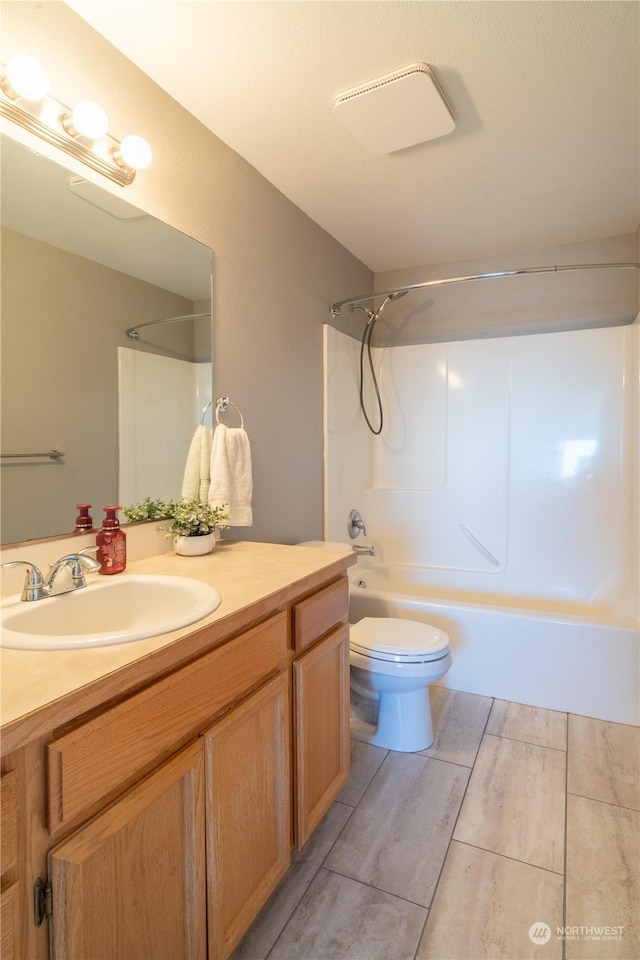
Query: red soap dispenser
x: 83, y: 520
x: 112, y: 544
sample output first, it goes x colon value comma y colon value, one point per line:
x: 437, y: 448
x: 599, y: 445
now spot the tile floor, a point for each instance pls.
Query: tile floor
x: 517, y: 820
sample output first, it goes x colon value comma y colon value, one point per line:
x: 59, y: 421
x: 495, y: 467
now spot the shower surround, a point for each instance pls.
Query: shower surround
x: 501, y: 497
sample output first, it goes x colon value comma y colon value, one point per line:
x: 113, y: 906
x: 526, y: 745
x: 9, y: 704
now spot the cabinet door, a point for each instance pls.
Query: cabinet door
x: 131, y: 883
x: 321, y: 691
x: 9, y: 899
x: 9, y: 923
x: 248, y: 812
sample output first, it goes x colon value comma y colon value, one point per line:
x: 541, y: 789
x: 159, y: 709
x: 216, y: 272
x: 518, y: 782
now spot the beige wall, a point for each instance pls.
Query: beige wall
x: 275, y: 272
x: 63, y: 318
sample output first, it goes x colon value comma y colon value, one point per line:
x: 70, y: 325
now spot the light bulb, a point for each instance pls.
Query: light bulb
x: 27, y: 78
x: 134, y: 152
x: 89, y: 119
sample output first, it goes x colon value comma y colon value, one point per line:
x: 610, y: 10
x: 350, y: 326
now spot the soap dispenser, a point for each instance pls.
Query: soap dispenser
x: 112, y: 544
x: 83, y: 520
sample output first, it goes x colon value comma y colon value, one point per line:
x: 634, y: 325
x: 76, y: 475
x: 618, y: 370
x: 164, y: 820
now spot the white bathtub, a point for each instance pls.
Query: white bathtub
x: 573, y: 657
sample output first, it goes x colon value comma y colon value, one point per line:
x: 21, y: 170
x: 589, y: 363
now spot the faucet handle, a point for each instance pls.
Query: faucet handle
x: 90, y: 564
x: 79, y: 563
x: 355, y: 525
x: 33, y: 583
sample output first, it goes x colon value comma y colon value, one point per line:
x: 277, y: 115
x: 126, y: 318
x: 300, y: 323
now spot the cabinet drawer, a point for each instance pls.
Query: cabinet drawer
x: 9, y: 847
x: 318, y: 614
x: 97, y: 760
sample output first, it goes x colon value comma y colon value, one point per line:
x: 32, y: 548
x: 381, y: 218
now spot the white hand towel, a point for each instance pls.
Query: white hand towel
x: 231, y: 478
x: 199, y: 451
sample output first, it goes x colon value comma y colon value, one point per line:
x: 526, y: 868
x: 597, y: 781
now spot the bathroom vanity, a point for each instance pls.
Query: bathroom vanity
x: 152, y: 791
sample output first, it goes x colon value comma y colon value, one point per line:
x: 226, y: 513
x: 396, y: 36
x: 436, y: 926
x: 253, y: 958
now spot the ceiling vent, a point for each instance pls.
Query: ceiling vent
x: 396, y: 111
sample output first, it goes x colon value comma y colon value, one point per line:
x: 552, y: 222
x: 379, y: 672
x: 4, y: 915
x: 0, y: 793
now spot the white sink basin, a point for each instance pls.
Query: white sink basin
x: 107, y: 611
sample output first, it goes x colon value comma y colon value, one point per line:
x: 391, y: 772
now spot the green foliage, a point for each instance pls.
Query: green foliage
x: 150, y: 510
x: 190, y: 517
x: 194, y: 519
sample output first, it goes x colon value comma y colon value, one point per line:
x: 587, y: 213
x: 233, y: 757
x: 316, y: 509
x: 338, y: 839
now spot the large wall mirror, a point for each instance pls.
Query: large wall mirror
x: 80, y: 267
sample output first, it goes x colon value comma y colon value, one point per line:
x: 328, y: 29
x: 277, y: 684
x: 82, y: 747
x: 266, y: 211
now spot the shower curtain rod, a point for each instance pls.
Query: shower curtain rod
x: 133, y: 334
x: 336, y: 308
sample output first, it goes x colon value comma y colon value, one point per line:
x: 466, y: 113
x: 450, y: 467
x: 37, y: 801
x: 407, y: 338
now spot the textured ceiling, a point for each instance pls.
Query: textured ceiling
x: 545, y: 96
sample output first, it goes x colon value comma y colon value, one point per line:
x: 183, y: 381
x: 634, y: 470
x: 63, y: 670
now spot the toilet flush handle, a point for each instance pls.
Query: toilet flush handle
x: 355, y: 525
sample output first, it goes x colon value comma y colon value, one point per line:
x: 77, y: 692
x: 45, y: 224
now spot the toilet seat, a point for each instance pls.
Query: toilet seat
x: 398, y: 640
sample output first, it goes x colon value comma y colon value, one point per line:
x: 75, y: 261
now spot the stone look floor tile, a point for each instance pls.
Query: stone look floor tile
x: 485, y: 905
x: 604, y: 761
x: 515, y: 803
x: 518, y: 721
x: 365, y: 763
x: 344, y: 920
x: 603, y: 878
x: 305, y: 863
x: 397, y: 838
x: 459, y: 720
x: 514, y: 807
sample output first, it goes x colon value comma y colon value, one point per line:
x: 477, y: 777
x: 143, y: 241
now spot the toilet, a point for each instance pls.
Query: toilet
x: 393, y: 662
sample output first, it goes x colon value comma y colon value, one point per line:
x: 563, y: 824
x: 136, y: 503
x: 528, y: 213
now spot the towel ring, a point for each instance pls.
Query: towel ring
x: 221, y: 406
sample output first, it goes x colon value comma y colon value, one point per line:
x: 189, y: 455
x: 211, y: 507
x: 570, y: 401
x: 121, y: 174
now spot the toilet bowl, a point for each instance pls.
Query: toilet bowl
x: 393, y: 661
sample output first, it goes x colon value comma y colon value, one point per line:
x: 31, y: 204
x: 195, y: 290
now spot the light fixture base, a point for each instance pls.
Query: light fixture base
x: 101, y: 162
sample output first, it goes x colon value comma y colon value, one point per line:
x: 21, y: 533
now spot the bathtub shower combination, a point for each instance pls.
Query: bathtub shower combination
x: 501, y: 499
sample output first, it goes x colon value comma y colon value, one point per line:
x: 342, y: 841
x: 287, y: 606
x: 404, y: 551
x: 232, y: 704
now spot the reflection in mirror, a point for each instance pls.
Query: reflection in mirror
x: 79, y: 267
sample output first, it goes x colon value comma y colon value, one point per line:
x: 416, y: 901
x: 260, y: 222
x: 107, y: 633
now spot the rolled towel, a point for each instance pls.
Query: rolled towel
x: 231, y: 477
x: 200, y: 447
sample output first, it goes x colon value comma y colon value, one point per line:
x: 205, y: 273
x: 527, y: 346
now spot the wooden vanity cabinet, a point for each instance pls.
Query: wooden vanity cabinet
x: 166, y: 818
x: 202, y: 842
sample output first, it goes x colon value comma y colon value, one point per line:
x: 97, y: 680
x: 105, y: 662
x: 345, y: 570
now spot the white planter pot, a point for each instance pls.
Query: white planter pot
x: 194, y: 546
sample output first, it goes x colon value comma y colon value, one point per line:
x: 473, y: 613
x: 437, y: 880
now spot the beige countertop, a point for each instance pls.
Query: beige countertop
x: 253, y: 579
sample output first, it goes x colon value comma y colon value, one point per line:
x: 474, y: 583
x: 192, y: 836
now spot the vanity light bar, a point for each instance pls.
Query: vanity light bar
x: 81, y: 132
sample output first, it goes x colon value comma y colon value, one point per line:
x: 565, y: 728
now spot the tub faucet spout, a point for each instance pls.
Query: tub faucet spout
x: 364, y: 551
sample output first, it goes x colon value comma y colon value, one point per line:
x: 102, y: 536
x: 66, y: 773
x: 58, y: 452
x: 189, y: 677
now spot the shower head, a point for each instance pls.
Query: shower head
x: 390, y: 296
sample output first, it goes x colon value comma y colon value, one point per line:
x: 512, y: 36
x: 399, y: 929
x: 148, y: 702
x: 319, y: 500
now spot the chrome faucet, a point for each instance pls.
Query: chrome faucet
x: 37, y: 587
x: 355, y: 525
x: 78, y: 564
x: 361, y: 551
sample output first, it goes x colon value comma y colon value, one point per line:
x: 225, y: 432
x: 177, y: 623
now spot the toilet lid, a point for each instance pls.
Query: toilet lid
x: 392, y: 638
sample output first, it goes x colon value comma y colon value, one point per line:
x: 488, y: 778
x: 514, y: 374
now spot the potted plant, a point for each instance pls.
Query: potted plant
x: 193, y: 524
x: 193, y: 527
